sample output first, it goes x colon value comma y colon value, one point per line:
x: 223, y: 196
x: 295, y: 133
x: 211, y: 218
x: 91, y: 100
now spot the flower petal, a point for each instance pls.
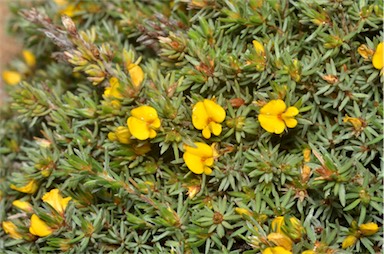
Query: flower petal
x: 156, y: 123
x: 378, y: 57
x: 30, y: 187
x: 152, y: 133
x: 39, y: 227
x: 274, y: 107
x: 23, y: 205
x: 271, y: 123
x: 202, y: 150
x: 206, y: 132
x: 54, y: 199
x: 138, y: 128
x: 214, y: 111
x: 136, y: 73
x: 291, y: 112
x: 145, y: 113
x: 215, y: 128
x: 10, y: 228
x: 193, y: 162
x: 290, y: 122
x: 207, y: 170
x: 199, y: 116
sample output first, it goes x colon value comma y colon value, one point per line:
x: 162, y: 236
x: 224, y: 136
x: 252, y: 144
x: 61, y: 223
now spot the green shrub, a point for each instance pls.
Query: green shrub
x: 193, y: 126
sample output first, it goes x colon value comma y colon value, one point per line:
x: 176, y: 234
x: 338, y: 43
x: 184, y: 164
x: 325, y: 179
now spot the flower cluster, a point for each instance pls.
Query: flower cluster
x: 38, y: 227
x: 364, y: 230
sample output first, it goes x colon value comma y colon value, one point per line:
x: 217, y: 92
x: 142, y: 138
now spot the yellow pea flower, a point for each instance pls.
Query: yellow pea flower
x: 276, y: 250
x: 378, y: 57
x: 54, y: 199
x: 349, y: 241
x: 29, y: 188
x: 143, y: 122
x: 11, y: 229
x: 29, y: 58
x: 308, y: 252
x: 277, y: 223
x: 369, y: 228
x: 207, y: 116
x: 23, y: 205
x: 39, y: 227
x: 121, y: 134
x: 11, y: 77
x: 280, y: 240
x: 199, y: 159
x: 136, y: 73
x: 274, y: 116
x: 113, y: 91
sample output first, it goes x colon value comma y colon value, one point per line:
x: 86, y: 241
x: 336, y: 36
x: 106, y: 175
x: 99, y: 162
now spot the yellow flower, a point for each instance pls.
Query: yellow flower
x: 54, y: 199
x: 199, y: 159
x: 143, y: 122
x: 23, y: 205
x: 29, y: 58
x: 275, y: 116
x: 356, y: 122
x: 276, y: 250
x: 39, y: 227
x: 113, y: 91
x: 29, y: 188
x: 121, y: 134
x: 349, y: 241
x: 308, y: 252
x: 378, y: 57
x: 369, y: 228
x: 207, y: 116
x: 11, y: 229
x: 136, y: 73
x: 67, y: 8
x: 364, y: 51
x: 280, y: 240
x: 11, y: 77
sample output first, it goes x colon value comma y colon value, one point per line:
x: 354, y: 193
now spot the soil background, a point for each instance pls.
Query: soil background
x: 9, y: 47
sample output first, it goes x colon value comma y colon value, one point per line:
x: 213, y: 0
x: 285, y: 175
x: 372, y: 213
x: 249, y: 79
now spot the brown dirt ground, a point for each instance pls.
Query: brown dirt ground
x: 9, y: 47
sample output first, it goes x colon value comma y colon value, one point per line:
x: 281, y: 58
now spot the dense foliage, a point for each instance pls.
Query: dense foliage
x: 193, y: 126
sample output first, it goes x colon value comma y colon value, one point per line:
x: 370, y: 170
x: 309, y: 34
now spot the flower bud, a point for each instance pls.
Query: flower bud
x: 280, y: 240
x: 349, y: 241
x: 11, y: 77
x: 369, y: 229
x: 243, y: 211
x: 11, y: 229
x: 23, y: 205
